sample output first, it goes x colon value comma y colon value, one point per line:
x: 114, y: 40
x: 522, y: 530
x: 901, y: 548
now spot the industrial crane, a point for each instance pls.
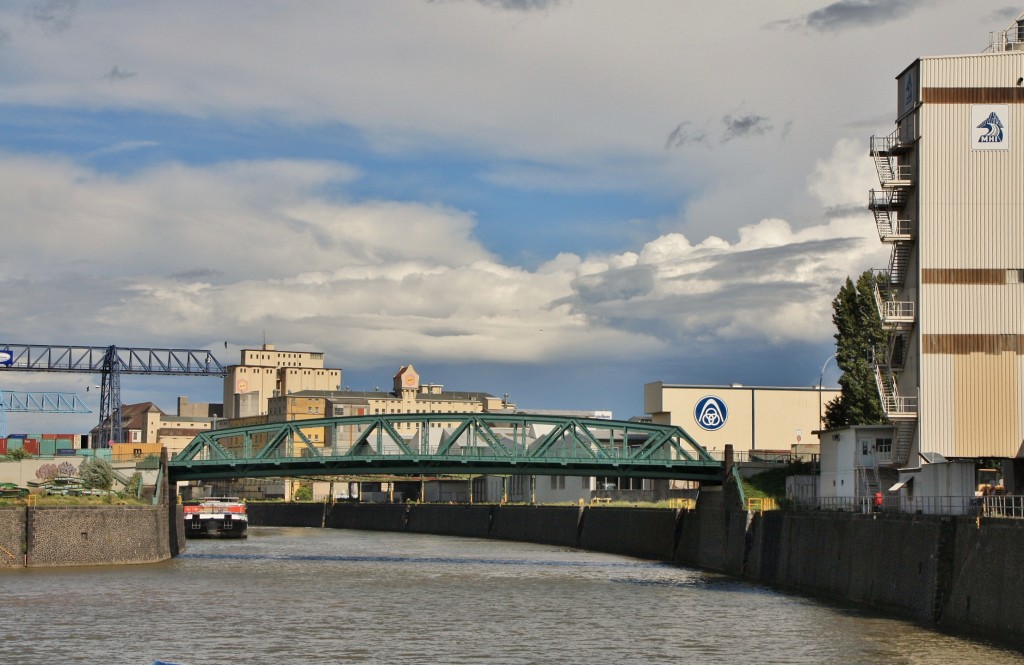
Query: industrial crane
x: 36, y: 402
x: 110, y: 362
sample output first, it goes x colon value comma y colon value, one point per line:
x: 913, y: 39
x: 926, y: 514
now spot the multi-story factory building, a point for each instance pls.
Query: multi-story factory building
x: 266, y: 373
x: 951, y: 205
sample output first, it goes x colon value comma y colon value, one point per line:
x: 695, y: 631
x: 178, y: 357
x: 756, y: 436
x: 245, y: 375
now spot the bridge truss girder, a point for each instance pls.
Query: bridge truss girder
x: 447, y: 443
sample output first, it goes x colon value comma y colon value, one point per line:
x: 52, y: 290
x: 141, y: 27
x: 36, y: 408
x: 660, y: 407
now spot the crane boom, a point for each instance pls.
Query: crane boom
x: 110, y: 362
x: 37, y: 402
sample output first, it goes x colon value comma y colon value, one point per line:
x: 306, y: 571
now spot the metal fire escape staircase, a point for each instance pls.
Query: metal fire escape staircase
x: 898, y: 316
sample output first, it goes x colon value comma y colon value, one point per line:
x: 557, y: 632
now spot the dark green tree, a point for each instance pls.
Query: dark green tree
x: 859, y: 333
x: 96, y: 474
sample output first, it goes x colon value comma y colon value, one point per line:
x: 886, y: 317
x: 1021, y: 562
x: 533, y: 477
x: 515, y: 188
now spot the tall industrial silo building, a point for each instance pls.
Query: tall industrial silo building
x: 951, y: 206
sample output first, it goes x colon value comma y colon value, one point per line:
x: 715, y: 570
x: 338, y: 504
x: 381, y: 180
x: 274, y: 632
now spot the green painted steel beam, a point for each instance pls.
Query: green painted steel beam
x: 466, y: 443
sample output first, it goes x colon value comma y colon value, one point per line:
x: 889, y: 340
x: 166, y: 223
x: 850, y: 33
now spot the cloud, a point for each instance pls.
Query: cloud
x: 225, y: 256
x: 744, y: 126
x: 197, y: 275
x: 118, y: 74
x: 733, y: 127
x: 683, y: 135
x: 125, y: 146
x: 520, y: 5
x: 847, y: 14
x: 52, y: 16
x: 514, y: 5
x: 1006, y: 14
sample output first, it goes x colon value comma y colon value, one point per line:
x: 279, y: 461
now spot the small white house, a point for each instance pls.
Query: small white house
x: 850, y: 460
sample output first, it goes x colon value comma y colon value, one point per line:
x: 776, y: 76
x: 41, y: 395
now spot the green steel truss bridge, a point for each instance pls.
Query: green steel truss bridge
x: 447, y: 443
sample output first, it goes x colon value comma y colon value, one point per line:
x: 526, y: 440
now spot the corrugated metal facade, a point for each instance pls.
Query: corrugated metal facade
x: 969, y: 206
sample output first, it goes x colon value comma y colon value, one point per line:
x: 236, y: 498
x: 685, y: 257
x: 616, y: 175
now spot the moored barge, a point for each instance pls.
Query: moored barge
x: 216, y: 517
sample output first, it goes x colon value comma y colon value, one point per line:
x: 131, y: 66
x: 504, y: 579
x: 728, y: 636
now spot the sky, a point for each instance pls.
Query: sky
x: 561, y: 200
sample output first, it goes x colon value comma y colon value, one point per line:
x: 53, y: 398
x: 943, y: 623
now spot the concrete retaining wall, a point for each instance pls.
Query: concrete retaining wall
x: 367, y: 517
x: 50, y: 536
x: 445, y: 520
x: 96, y: 536
x: 12, y: 537
x: 548, y: 525
x: 286, y: 514
x: 645, y: 533
x: 987, y: 585
x: 889, y: 563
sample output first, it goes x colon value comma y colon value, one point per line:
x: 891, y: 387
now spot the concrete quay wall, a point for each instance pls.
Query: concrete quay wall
x: 12, y: 537
x: 50, y: 536
x: 547, y: 525
x: 956, y: 573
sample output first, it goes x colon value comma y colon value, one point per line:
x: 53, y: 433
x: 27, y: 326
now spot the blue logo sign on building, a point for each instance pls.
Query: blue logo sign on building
x: 710, y: 413
x: 990, y: 126
x: 6, y: 358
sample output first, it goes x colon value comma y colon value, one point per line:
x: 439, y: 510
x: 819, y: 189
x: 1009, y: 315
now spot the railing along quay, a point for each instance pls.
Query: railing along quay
x: 1009, y: 506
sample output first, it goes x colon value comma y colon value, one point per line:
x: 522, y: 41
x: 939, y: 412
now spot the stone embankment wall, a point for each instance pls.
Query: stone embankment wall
x: 48, y: 536
x: 956, y: 573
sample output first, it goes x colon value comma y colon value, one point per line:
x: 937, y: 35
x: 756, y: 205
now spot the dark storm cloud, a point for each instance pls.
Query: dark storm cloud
x: 745, y: 125
x: 734, y: 127
x: 684, y: 135
x: 118, y: 74
x: 855, y: 13
x: 52, y: 16
x: 621, y: 298
x: 1005, y: 14
x: 197, y: 275
x: 621, y: 284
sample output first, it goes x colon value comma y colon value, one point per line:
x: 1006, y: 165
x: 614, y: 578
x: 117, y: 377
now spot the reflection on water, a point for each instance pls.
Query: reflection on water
x: 327, y: 596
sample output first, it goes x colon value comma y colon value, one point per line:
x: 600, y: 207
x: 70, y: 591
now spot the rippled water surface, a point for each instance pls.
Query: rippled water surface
x: 331, y: 596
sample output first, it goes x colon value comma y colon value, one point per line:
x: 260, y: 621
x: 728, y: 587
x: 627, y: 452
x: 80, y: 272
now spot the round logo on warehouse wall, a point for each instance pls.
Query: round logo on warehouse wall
x: 710, y: 413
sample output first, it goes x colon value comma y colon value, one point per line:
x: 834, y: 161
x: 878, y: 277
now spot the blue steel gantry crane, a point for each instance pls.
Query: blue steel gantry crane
x: 110, y: 362
x: 36, y: 402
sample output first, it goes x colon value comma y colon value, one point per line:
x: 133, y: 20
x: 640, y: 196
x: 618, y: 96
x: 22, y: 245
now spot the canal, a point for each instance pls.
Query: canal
x: 290, y: 595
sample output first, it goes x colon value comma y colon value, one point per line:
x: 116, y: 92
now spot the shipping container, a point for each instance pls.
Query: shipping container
x: 66, y: 452
x: 3, y: 446
x: 65, y: 444
x: 14, y: 443
x: 98, y: 453
x: 31, y: 446
x: 47, y: 447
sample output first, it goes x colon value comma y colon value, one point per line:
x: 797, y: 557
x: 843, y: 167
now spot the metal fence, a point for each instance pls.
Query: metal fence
x: 780, y: 457
x: 1003, y: 506
x: 1011, y: 506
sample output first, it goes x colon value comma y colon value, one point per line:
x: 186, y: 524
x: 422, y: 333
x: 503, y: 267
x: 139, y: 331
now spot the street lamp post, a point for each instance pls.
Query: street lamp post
x: 821, y: 378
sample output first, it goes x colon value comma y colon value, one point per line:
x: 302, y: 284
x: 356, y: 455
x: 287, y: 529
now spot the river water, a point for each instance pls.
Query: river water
x: 289, y: 595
